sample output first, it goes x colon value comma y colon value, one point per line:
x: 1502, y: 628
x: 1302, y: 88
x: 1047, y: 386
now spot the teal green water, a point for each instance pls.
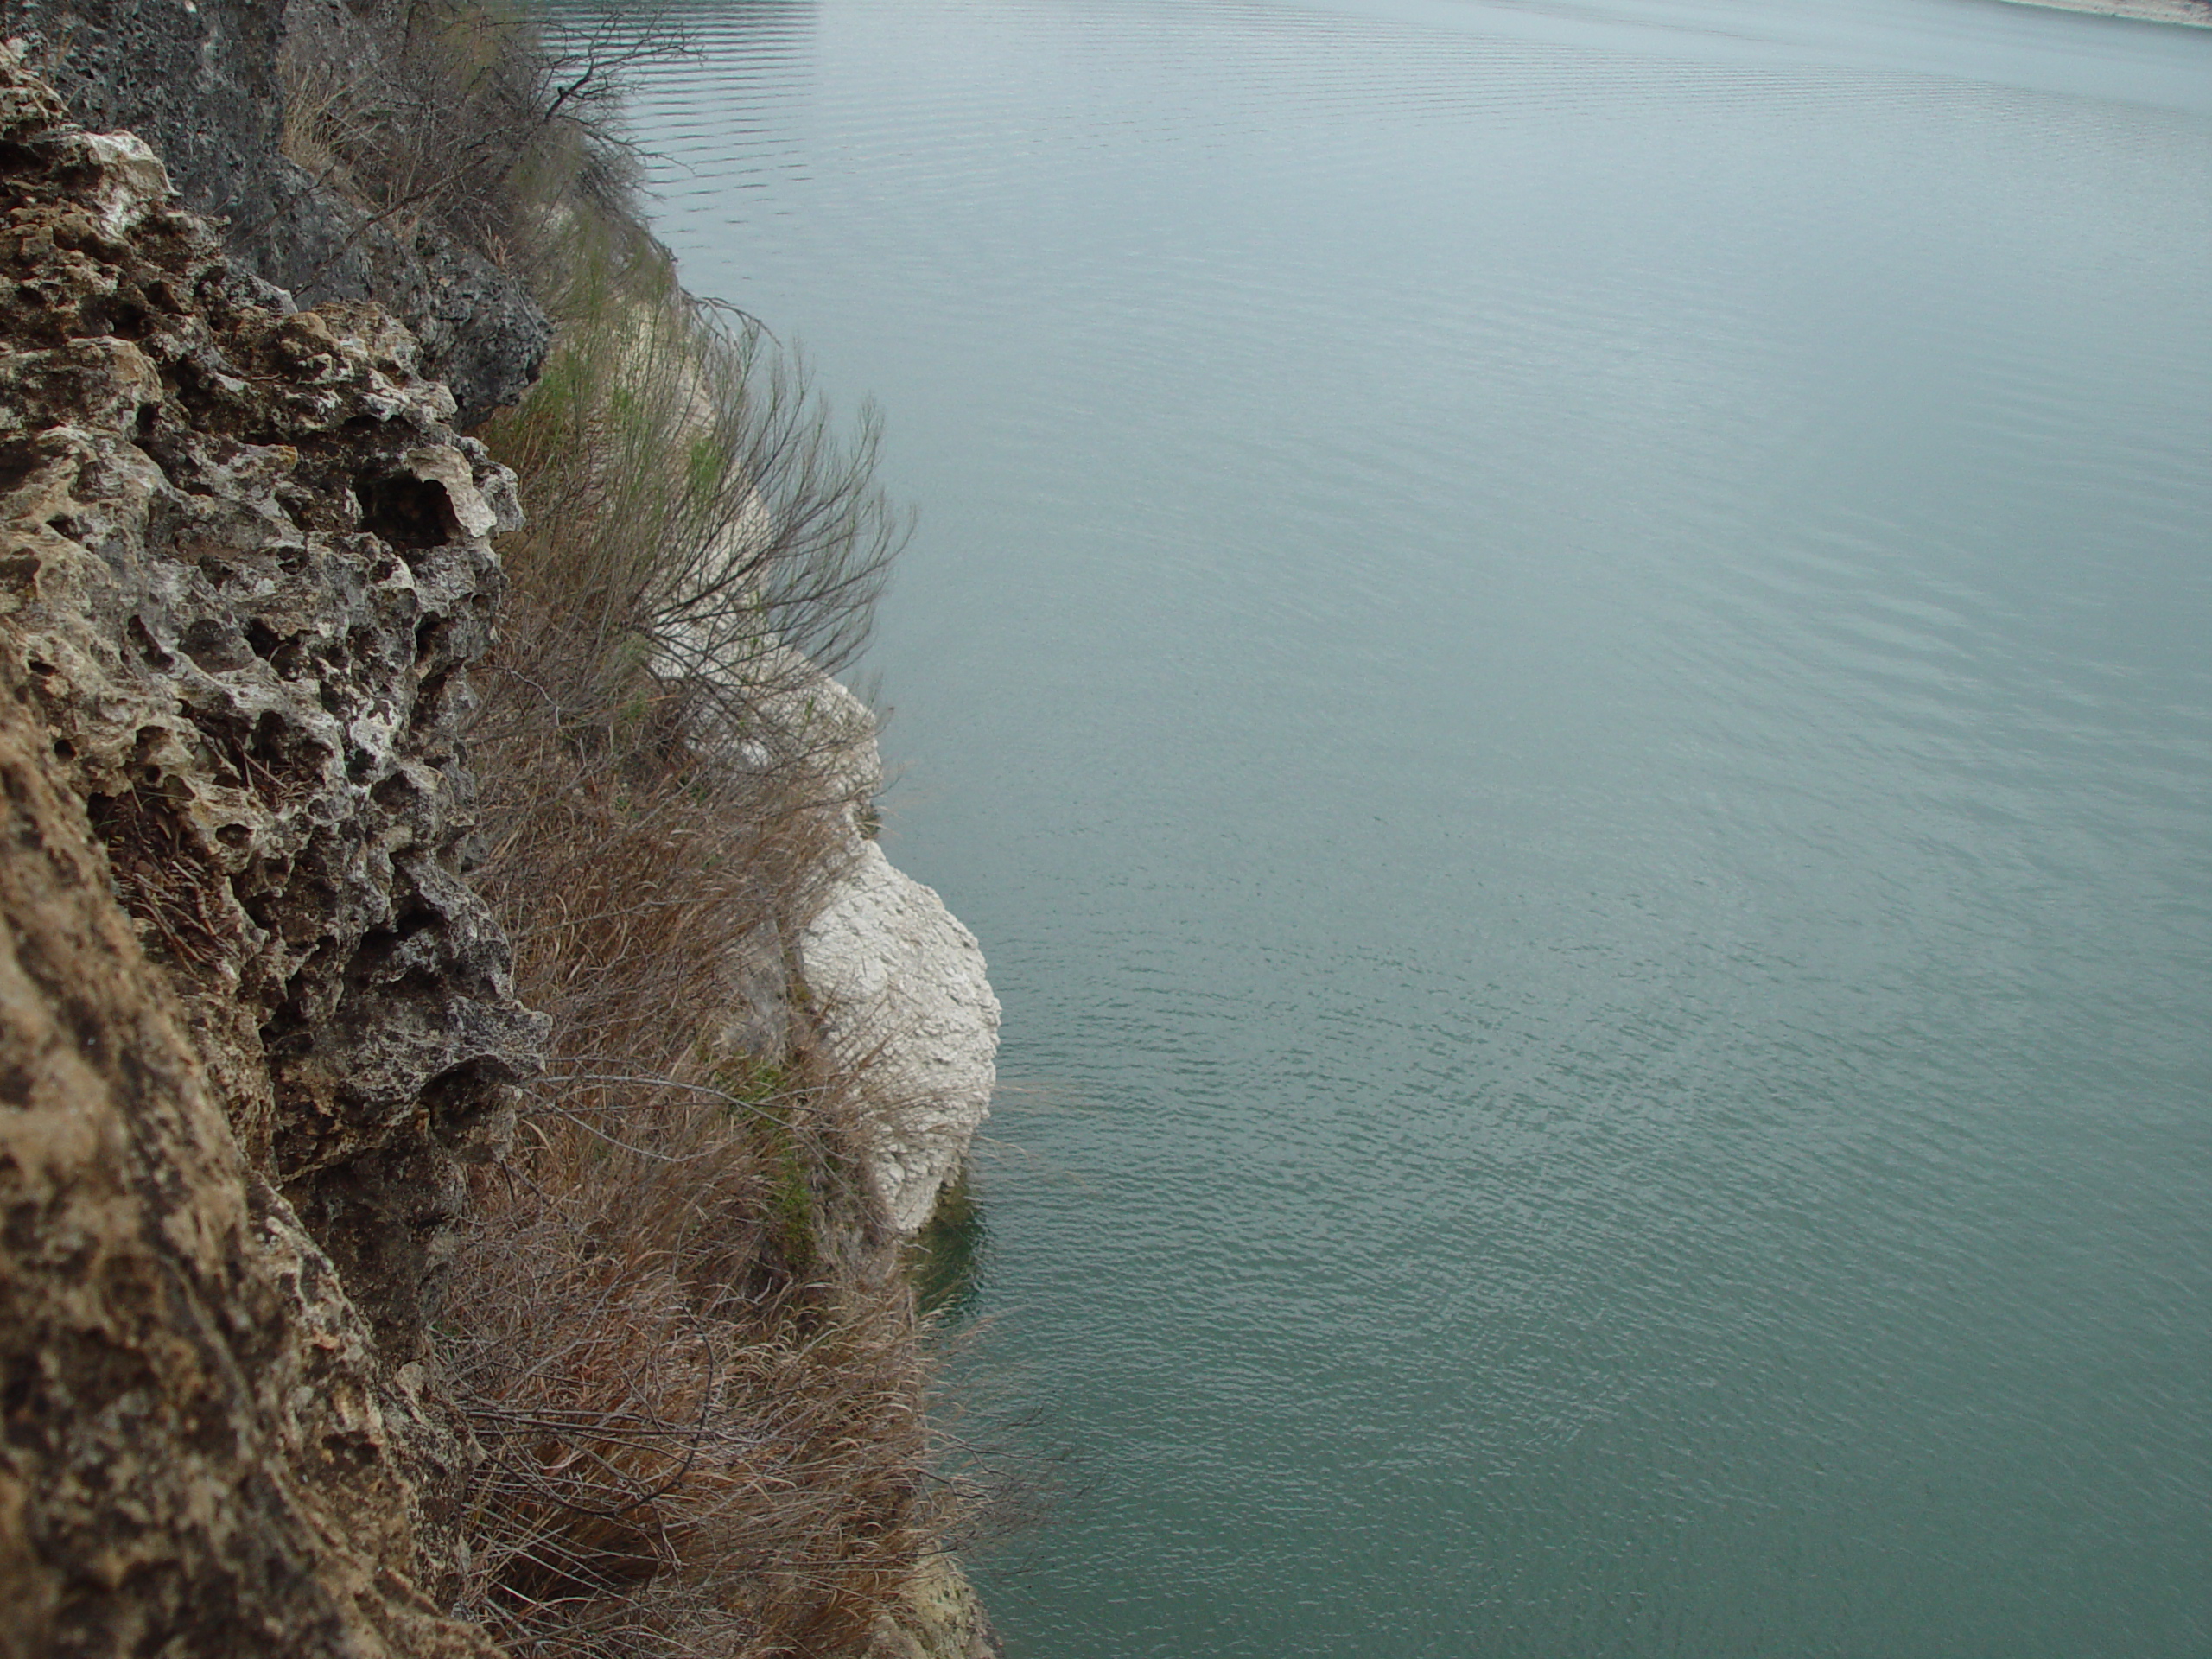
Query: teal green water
x: 1564, y: 653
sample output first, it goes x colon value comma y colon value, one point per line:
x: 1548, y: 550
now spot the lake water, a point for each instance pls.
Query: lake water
x: 1564, y: 654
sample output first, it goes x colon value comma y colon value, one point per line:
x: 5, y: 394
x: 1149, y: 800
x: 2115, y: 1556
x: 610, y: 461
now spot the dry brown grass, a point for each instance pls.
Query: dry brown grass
x: 463, y: 113
x: 704, y: 1429
x: 680, y: 1329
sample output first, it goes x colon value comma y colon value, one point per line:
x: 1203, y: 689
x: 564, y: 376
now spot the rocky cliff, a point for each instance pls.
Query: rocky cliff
x: 255, y: 1022
x: 198, y: 80
x: 898, y: 983
x: 256, y: 1028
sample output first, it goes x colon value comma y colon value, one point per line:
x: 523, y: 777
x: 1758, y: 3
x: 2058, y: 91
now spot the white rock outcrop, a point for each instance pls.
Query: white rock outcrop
x: 896, y: 979
x: 901, y: 985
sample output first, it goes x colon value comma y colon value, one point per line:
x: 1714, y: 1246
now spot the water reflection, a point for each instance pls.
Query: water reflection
x: 947, y: 1260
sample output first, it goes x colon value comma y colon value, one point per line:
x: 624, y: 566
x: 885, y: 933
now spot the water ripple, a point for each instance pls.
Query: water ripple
x: 1560, y: 650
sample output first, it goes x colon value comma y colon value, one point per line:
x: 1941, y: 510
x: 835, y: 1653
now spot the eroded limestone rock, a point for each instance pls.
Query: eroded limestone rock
x: 941, y: 1616
x: 243, y: 573
x: 900, y: 985
x: 194, y: 1459
x: 896, y: 982
x: 198, y: 79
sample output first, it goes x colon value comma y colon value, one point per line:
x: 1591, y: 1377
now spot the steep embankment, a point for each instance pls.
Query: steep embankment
x: 264, y: 1056
x: 201, y: 82
x: 246, y: 569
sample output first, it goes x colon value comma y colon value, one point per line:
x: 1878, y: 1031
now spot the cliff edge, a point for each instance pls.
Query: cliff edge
x: 262, y: 1058
x: 256, y: 1024
x: 201, y: 82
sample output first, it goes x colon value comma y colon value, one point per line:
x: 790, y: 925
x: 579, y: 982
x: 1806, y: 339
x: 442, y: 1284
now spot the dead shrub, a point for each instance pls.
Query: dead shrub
x: 679, y: 1329
x: 704, y: 1434
x: 464, y: 114
x: 697, y: 521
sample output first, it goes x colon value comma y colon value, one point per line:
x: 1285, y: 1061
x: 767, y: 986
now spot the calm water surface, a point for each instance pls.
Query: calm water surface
x: 1564, y: 653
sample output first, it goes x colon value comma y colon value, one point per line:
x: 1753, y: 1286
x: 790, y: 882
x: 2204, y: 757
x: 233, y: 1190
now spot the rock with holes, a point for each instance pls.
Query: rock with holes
x: 196, y: 1457
x: 201, y: 81
x: 245, y: 573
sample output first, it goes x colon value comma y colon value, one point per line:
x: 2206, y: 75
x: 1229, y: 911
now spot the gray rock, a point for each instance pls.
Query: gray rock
x: 246, y: 572
x: 198, y: 83
x: 197, y: 1457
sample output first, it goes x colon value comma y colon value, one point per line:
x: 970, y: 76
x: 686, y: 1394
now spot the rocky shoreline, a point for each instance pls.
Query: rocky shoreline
x: 261, y: 1033
x: 2193, y: 13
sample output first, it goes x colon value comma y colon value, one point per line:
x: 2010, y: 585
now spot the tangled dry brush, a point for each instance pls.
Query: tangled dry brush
x: 679, y: 1323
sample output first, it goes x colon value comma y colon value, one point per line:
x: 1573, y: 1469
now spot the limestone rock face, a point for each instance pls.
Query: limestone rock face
x: 896, y: 982
x: 245, y: 572
x: 901, y: 984
x: 254, y: 1021
x: 942, y: 1617
x: 194, y: 1459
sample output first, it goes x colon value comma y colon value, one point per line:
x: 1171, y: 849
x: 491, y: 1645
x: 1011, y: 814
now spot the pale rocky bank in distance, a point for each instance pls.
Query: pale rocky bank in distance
x: 2194, y: 14
x: 901, y: 985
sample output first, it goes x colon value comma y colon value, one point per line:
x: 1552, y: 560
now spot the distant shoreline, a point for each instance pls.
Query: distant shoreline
x: 2187, y: 12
